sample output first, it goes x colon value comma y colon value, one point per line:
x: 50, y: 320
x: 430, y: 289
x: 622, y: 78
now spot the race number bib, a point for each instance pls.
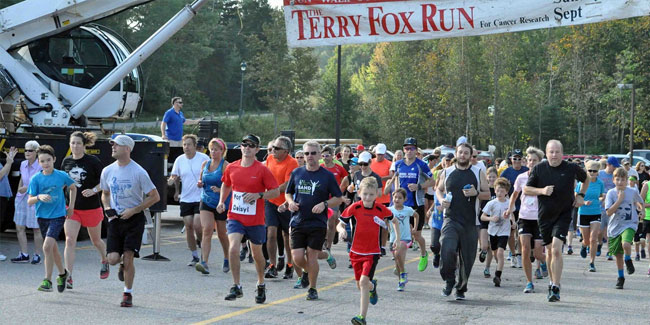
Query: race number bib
x: 241, y: 207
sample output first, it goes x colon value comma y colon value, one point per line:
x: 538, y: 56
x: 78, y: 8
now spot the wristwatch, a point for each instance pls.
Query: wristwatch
x: 325, y: 204
x: 581, y: 194
x: 261, y: 194
x: 95, y: 190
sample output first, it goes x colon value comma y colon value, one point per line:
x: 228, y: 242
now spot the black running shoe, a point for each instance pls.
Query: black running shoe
x: 120, y: 272
x: 497, y: 281
x: 583, y: 252
x: 481, y: 257
x: 436, y: 260
x: 235, y: 292
x: 555, y: 294
x: 619, y: 283
x: 271, y: 272
x: 312, y: 294
x: 460, y: 295
x: 448, y: 288
x: 250, y: 258
x: 261, y: 294
x: 127, y: 300
x: 383, y: 251
x: 61, y: 280
x: 280, y: 263
x: 629, y: 266
x: 288, y: 273
x: 304, y: 281
x: 243, y: 252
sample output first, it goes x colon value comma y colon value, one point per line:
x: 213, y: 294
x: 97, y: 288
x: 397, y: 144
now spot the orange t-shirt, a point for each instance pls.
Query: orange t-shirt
x: 281, y: 172
x: 382, y: 169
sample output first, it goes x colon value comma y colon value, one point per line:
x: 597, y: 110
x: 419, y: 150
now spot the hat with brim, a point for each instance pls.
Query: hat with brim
x: 613, y: 161
x: 123, y: 140
x: 251, y: 138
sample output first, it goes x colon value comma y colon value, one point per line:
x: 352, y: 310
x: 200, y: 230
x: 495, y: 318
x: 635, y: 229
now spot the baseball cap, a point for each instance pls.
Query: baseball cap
x: 354, y: 161
x: 360, y: 148
x: 123, y: 140
x: 613, y: 161
x: 252, y: 138
x: 410, y: 142
x: 365, y: 157
x: 449, y: 156
x: 632, y: 178
x: 461, y: 140
x: 625, y: 161
x: 380, y: 149
x: 517, y: 152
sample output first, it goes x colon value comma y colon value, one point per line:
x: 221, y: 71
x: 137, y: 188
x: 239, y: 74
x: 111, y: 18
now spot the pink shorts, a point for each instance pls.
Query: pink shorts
x: 88, y: 218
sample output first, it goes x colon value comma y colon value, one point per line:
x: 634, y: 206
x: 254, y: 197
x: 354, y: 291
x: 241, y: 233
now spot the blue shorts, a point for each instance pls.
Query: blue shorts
x: 51, y: 227
x: 256, y: 234
x: 275, y: 218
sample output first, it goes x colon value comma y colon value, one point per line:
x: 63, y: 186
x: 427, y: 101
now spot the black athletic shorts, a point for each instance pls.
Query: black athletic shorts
x: 639, y: 233
x: 587, y: 219
x: 646, y: 226
x: 217, y: 216
x: 190, y: 208
x: 529, y: 227
x: 497, y: 242
x: 125, y: 235
x: 313, y: 238
x: 275, y: 218
x: 484, y: 224
x: 574, y: 220
x: 428, y: 196
x: 555, y: 226
x: 420, y: 210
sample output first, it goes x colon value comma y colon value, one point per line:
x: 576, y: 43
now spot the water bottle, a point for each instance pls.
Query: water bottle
x: 448, y: 197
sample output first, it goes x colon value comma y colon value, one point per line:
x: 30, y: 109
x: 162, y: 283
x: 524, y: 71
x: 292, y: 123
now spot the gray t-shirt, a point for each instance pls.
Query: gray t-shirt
x: 502, y: 226
x: 625, y: 216
x: 127, y: 185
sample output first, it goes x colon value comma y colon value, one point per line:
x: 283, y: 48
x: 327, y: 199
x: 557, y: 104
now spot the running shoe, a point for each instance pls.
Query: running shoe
x: 583, y: 252
x: 243, y: 252
x: 592, y: 267
x: 120, y: 272
x: 46, y: 286
x: 312, y: 294
x: 383, y: 251
x: 486, y: 273
x: 395, y: 271
x: 3, y: 257
x: 482, y: 256
x: 280, y: 266
x: 538, y: 274
x: 104, y: 271
x: 629, y: 266
x: 555, y: 294
x: 373, y: 293
x: 519, y: 265
x: 460, y: 295
x: 449, y: 286
x: 330, y: 259
x: 619, y: 283
x: 509, y: 256
x: 436, y: 260
x: 359, y: 320
x: 600, y: 246
x: 298, y: 284
x: 513, y: 262
x: 400, y: 286
x: 424, y: 261
x: 497, y: 281
x: 261, y: 294
x: 202, y: 267
x: 426, y: 227
x: 226, y: 266
x: 271, y: 272
x: 21, y: 258
x: 570, y: 251
x: 609, y: 257
x: 544, y: 269
x: 250, y: 258
x: 60, y: 281
x: 416, y: 246
x: 643, y: 253
x: 235, y: 292
x: 194, y: 261
x: 127, y: 300
x: 288, y: 273
x: 69, y: 284
x: 304, y: 281
x: 637, y: 257
x: 36, y: 259
x: 530, y: 287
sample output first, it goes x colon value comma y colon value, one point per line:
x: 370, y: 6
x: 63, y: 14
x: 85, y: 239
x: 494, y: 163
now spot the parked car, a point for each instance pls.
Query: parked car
x: 636, y: 158
x: 645, y: 153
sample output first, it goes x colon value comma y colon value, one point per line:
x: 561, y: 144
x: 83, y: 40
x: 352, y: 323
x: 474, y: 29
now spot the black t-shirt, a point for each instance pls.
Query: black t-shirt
x: 86, y: 173
x: 563, y: 177
x: 308, y: 189
x: 358, y: 177
x: 462, y: 208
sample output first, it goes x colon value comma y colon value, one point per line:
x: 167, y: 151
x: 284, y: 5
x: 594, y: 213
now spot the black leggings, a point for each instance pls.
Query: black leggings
x: 280, y: 246
x: 435, y: 241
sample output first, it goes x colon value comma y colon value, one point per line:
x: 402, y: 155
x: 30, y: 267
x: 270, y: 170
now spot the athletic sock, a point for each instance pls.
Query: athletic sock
x: 498, y: 274
x: 127, y: 290
x: 621, y: 274
x: 281, y: 256
x: 195, y: 254
x: 627, y: 257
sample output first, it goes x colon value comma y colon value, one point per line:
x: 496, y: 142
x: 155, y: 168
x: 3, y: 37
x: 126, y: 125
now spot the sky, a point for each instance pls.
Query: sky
x: 275, y: 3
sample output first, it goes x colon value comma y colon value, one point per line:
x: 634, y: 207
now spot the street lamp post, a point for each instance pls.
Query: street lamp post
x: 241, y: 93
x: 630, y: 86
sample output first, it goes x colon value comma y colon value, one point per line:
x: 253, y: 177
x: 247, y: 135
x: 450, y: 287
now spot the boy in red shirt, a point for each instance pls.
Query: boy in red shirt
x: 366, y: 219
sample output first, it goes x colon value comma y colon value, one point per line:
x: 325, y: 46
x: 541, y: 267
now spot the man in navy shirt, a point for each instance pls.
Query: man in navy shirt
x: 310, y: 191
x: 171, y: 127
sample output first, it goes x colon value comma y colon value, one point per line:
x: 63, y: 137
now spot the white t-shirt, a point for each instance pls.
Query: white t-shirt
x: 502, y: 226
x: 127, y: 185
x: 189, y: 170
x: 633, y: 172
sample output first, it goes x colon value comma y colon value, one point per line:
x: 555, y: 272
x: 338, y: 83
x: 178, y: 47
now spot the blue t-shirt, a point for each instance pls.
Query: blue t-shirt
x: 5, y: 188
x: 608, y: 181
x: 308, y: 189
x: 437, y: 216
x: 594, y: 191
x: 208, y: 196
x: 417, y: 172
x: 53, y: 185
x: 403, y: 217
x: 174, y: 130
x: 511, y: 175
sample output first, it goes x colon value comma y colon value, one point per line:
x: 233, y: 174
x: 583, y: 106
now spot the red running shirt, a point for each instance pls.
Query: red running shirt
x: 365, y: 225
x: 253, y: 179
x: 338, y: 171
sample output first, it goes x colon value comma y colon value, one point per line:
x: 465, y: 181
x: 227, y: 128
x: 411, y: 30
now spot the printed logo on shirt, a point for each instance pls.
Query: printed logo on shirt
x: 307, y: 187
x: 78, y: 175
x: 380, y: 222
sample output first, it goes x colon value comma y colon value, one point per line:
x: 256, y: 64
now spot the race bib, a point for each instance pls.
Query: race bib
x: 241, y: 207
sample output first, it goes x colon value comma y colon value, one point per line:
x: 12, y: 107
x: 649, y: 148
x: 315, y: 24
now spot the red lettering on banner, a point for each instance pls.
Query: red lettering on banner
x: 313, y: 25
x: 470, y: 20
x: 343, y: 26
x: 429, y: 12
x: 356, y: 24
x: 301, y: 32
x: 407, y: 24
x: 373, y: 19
x: 385, y: 25
x: 427, y: 17
x: 442, y: 20
x: 329, y: 23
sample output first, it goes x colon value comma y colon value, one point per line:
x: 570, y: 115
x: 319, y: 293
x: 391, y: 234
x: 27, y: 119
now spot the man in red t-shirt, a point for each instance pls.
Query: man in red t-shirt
x: 251, y: 183
x: 327, y: 153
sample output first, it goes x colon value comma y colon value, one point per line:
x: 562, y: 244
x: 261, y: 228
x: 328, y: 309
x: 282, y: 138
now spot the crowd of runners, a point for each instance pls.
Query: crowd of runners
x: 284, y: 214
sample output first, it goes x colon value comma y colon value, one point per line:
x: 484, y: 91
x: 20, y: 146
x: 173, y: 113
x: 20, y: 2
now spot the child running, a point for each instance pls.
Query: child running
x: 621, y: 204
x: 499, y: 227
x: 46, y: 193
x: 366, y: 218
x: 401, y: 221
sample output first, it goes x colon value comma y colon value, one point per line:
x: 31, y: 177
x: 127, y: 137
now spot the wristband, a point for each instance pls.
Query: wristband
x: 581, y: 194
x: 261, y: 195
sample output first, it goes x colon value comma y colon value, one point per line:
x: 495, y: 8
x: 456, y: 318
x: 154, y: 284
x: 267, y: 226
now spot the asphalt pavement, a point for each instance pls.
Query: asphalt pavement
x: 173, y: 293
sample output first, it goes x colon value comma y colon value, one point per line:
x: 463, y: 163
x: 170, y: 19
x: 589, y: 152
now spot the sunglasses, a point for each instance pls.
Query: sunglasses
x: 300, y: 157
x: 474, y: 156
x: 179, y: 102
x: 248, y: 145
x: 435, y: 157
x: 516, y: 159
x: 278, y: 148
x: 363, y: 164
x: 592, y: 171
x: 311, y: 153
x: 29, y: 150
x: 326, y: 155
x: 409, y: 148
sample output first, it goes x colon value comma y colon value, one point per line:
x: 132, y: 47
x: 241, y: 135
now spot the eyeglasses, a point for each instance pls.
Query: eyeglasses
x: 310, y: 153
x: 248, y: 145
x: 29, y: 150
x: 592, y: 171
x: 278, y: 148
x: 363, y: 164
x: 516, y: 159
x: 409, y: 148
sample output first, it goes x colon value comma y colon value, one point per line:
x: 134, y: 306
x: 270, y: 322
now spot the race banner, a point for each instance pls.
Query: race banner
x: 335, y: 22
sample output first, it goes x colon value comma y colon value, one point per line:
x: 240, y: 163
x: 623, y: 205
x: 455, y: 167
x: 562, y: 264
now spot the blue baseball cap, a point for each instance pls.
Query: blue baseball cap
x: 354, y: 161
x: 613, y: 161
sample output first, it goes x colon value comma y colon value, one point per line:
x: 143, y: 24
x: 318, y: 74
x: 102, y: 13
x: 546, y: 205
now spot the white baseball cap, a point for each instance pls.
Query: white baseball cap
x: 380, y: 149
x: 365, y: 157
x: 123, y: 140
